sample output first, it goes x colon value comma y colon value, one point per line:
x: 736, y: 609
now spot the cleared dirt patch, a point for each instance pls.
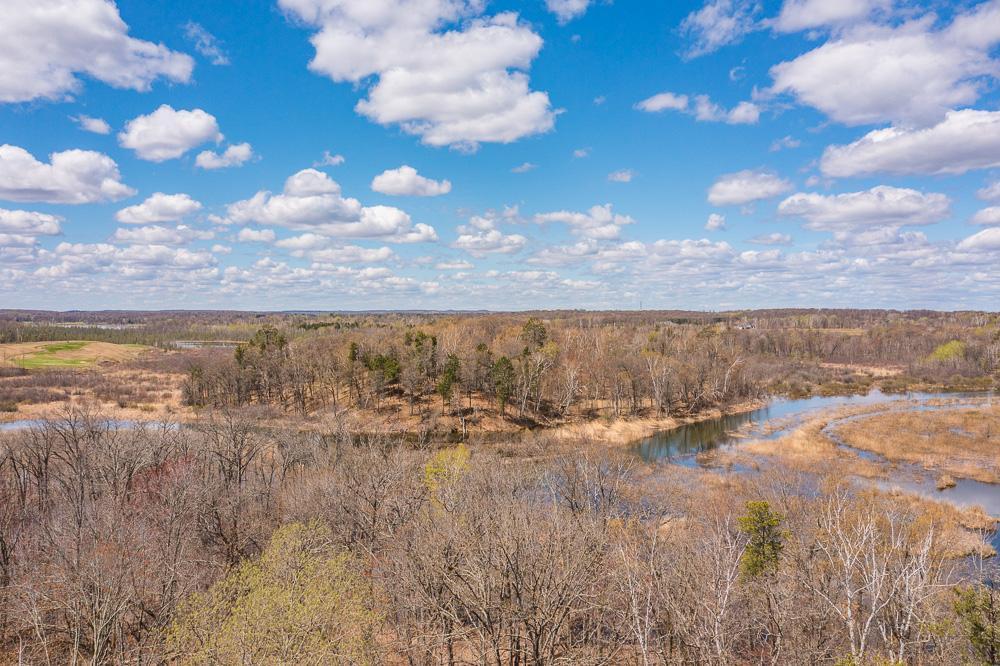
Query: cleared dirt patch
x: 65, y: 354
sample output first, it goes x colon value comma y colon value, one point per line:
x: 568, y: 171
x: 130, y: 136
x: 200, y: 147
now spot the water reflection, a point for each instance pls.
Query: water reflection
x: 777, y: 419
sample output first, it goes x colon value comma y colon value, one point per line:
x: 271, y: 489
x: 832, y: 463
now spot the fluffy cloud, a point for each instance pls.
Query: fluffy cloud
x: 717, y: 24
x: 166, y: 133
x: 46, y: 43
x: 744, y: 113
x: 441, y: 70
x: 598, y: 223
x: 29, y: 223
x: 234, y: 156
x: 158, y: 235
x: 964, y: 140
x: 524, y: 168
x: 95, y: 125
x: 159, y: 207
x: 911, y: 73
x: 987, y: 216
x: 702, y: 108
x: 312, y: 201
x: 70, y: 177
x: 715, y: 222
x: 303, y: 243
x: 987, y: 240
x: 405, y: 181
x: 799, y: 15
x: 256, y: 236
x: 879, y: 206
x: 480, y: 237
x: 746, y: 186
x: 567, y: 10
x: 664, y: 101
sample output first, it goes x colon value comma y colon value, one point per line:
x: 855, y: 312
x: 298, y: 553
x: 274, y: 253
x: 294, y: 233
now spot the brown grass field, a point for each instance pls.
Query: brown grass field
x: 66, y: 354
x: 963, y: 443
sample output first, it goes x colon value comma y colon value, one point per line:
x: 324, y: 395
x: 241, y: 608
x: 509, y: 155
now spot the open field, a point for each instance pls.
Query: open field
x: 66, y: 354
x: 128, y: 382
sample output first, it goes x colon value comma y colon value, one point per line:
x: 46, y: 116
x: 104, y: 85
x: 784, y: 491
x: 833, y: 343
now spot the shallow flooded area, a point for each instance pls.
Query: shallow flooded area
x: 683, y: 445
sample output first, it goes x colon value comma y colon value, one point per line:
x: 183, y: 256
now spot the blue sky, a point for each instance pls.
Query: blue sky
x: 353, y: 154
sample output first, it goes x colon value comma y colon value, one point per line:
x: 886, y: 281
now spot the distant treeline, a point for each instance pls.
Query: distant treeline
x: 590, y: 363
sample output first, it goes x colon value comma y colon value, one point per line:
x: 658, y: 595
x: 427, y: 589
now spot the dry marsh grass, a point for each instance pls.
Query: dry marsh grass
x: 962, y: 443
x: 626, y: 430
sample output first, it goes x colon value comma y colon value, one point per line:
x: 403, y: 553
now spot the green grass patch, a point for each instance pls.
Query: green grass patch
x: 64, y: 346
x: 41, y: 360
x: 69, y: 354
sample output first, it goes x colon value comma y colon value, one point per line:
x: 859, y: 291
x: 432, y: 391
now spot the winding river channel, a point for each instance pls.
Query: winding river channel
x: 780, y: 417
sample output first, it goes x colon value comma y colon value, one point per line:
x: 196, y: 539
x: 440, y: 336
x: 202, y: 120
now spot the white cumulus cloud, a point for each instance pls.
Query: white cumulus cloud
x: 799, y: 15
x: 964, y: 140
x: 70, y: 177
x: 987, y: 217
x: 405, y: 181
x: 987, y: 240
x: 481, y: 237
x: 167, y: 133
x: 912, y: 73
x: 440, y: 69
x: 46, y: 43
x: 94, y: 125
x: 567, y: 10
x: 29, y: 223
x: 256, y: 235
x: 880, y: 206
x: 234, y: 156
x: 743, y: 187
x: 598, y: 223
x: 702, y: 108
x: 312, y: 202
x: 159, y: 207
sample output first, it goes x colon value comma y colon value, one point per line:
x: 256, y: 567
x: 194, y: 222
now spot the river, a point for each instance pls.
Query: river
x: 780, y: 417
